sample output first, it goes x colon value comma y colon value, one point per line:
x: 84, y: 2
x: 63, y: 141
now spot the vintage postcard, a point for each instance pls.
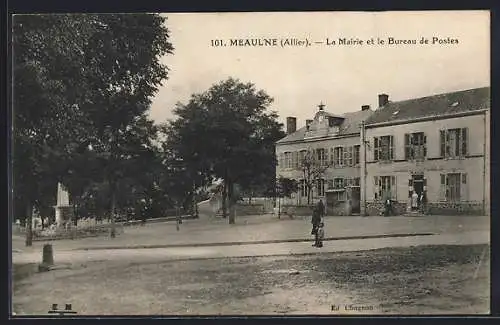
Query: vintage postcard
x: 284, y: 163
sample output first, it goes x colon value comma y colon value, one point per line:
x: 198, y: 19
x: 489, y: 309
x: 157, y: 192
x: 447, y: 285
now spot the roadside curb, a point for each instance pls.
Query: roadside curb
x: 293, y: 240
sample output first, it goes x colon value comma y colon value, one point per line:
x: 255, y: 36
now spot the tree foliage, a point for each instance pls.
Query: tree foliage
x: 286, y: 186
x: 227, y: 132
x: 82, y: 87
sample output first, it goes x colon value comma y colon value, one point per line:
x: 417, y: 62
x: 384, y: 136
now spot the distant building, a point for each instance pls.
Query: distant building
x: 437, y: 144
x: 333, y: 142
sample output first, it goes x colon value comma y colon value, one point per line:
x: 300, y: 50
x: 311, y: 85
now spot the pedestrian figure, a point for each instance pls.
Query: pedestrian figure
x: 321, y: 209
x: 388, y: 207
x: 414, y: 201
x: 423, y: 202
x: 316, y: 220
x: 320, y: 235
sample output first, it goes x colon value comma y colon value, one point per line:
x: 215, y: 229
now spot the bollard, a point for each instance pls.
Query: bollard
x: 47, y: 259
x: 48, y: 255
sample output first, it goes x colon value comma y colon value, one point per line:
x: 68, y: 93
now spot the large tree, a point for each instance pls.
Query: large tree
x: 81, y: 83
x: 229, y: 133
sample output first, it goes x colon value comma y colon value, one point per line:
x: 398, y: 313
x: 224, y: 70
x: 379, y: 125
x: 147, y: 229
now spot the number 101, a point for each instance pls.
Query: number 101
x: 217, y: 42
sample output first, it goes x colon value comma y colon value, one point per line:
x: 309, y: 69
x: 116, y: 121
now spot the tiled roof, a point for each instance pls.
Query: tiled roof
x: 350, y: 125
x: 436, y: 105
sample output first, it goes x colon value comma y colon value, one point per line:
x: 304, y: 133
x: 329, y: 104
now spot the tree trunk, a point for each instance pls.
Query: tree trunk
x: 113, y: 210
x: 232, y: 203
x: 29, y: 224
x: 224, y: 200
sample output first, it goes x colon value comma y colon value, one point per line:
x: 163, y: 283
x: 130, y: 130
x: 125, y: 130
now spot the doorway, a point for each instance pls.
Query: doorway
x: 355, y: 200
x: 418, y: 183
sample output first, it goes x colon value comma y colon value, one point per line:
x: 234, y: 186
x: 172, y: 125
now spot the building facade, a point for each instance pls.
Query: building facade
x: 437, y: 144
x: 324, y: 158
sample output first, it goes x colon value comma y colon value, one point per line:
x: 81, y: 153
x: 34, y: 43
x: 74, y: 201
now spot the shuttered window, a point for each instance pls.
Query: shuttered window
x: 454, y: 143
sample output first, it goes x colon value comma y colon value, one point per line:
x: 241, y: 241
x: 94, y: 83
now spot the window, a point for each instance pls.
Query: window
x: 453, y: 143
x: 384, y: 148
x: 303, y: 188
x: 356, y: 181
x: 385, y: 187
x: 453, y: 187
x: 330, y: 184
x: 320, y: 187
x: 338, y: 183
x: 356, y: 155
x: 288, y: 160
x: 415, y: 146
x: 338, y: 154
x: 348, y: 156
x: 302, y: 156
x: 322, y: 157
x: 339, y: 194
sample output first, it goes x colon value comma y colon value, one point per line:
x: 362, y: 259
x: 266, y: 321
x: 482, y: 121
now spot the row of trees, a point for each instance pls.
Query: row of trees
x: 83, y: 85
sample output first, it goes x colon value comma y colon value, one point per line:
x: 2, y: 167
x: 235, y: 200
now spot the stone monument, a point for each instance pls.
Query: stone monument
x: 63, y: 208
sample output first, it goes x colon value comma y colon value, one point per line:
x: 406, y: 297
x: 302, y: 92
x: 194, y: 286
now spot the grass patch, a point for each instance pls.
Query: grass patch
x: 418, y: 280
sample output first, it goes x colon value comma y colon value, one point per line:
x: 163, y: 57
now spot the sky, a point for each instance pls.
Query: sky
x: 343, y: 77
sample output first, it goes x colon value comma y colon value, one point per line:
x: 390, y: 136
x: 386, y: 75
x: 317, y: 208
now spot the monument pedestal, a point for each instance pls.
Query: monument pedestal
x: 63, y: 215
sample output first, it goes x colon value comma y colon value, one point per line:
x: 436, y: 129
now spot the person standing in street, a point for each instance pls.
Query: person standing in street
x: 321, y: 209
x: 316, y: 219
x: 320, y: 235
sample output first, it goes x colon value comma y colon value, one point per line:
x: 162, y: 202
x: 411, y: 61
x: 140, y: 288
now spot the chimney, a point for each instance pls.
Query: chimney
x: 308, y: 123
x: 365, y: 107
x: 291, y: 124
x: 383, y: 99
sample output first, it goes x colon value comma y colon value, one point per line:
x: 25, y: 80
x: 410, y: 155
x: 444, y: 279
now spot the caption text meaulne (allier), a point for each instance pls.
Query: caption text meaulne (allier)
x: 340, y: 41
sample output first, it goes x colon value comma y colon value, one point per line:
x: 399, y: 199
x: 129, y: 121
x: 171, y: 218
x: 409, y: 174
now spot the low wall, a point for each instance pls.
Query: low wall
x: 433, y: 208
x: 456, y: 208
x: 250, y: 209
x: 297, y: 210
x: 376, y: 208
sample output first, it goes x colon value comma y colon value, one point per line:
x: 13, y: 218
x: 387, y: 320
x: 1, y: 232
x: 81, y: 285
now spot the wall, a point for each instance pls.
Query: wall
x: 433, y: 166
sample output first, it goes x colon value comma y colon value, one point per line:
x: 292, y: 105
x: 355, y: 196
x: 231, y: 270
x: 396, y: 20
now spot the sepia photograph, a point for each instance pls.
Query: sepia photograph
x: 254, y: 163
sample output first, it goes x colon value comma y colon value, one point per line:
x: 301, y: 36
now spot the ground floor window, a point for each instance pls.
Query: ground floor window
x: 385, y: 187
x: 339, y: 195
x: 320, y: 187
x: 302, y: 188
x: 453, y: 187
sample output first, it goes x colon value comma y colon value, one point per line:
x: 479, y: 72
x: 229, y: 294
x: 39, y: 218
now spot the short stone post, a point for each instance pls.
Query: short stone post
x: 47, y: 258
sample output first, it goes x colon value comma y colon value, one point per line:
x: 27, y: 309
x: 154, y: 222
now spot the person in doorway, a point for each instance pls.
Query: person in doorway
x: 423, y: 202
x: 414, y: 201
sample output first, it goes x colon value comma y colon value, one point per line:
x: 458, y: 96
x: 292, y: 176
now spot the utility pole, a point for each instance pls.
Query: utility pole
x: 279, y: 190
x: 363, y: 169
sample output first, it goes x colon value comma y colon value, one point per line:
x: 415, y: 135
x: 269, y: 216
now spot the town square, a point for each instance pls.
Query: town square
x: 160, y: 169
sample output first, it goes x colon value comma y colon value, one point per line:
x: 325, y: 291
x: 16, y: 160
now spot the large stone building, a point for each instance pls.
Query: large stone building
x: 437, y: 144
x: 333, y: 143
